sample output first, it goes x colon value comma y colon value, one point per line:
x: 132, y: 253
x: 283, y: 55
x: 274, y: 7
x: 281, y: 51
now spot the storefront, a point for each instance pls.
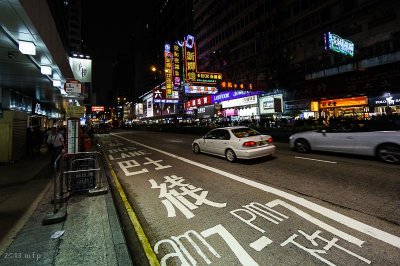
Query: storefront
x: 237, y: 105
x: 387, y: 103
x: 271, y: 106
x: 352, y: 107
x: 241, y: 109
x: 206, y: 114
x: 301, y: 109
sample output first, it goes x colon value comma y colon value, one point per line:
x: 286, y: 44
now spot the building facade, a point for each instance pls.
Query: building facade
x: 279, y: 45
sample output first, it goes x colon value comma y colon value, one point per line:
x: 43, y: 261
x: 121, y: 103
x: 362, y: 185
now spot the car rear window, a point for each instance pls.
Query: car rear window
x: 245, y: 132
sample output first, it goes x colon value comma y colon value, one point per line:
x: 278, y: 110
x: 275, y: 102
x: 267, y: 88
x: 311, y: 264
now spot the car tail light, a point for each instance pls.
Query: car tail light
x: 270, y: 140
x: 249, y: 144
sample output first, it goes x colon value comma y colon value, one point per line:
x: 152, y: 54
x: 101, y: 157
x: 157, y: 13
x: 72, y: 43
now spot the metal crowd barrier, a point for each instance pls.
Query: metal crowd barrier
x: 79, y: 172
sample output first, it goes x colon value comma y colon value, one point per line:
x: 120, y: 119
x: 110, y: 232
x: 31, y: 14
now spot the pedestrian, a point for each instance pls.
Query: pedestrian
x: 55, y: 143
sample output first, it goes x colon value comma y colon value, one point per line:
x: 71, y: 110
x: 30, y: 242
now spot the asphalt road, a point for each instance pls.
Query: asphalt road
x: 292, y: 209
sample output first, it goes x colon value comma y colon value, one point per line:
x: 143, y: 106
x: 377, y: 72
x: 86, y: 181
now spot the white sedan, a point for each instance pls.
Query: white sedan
x: 235, y: 143
x: 357, y: 137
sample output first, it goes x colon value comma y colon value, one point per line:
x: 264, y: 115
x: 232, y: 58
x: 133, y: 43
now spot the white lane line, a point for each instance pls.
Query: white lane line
x: 311, y: 159
x: 340, y: 218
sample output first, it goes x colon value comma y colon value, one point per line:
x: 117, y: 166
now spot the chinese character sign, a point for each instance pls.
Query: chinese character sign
x: 168, y: 73
x: 190, y: 59
x: 177, y: 63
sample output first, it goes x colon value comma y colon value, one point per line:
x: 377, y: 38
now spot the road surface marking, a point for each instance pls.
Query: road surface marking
x: 340, y: 218
x: 261, y: 243
x: 151, y: 257
x: 311, y: 159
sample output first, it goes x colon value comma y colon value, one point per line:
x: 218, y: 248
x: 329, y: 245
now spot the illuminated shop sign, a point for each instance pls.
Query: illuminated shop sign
x: 206, y: 77
x: 388, y: 99
x: 236, y: 86
x: 192, y: 76
x: 230, y: 112
x: 168, y: 70
x: 343, y: 102
x: 230, y: 95
x: 249, y: 100
x: 161, y: 93
x: 271, y: 104
x: 149, y: 107
x: 337, y: 44
x: 97, y: 108
x: 166, y: 100
x: 206, y: 100
x: 190, y: 59
x: 189, y: 89
x: 177, y: 64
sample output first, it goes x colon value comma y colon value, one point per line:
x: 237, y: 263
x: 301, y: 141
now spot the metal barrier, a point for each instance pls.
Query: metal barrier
x: 80, y: 172
x: 83, y: 173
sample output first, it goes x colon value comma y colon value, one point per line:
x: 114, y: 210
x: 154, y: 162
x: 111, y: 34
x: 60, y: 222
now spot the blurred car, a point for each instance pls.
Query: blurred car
x: 233, y: 143
x: 364, y: 137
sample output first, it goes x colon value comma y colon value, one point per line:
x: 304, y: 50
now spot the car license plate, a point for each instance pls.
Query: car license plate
x: 263, y: 142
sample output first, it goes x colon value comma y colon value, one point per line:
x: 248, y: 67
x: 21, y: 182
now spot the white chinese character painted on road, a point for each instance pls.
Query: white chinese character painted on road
x: 174, y: 198
x: 127, y: 165
x: 316, y: 252
x: 156, y: 163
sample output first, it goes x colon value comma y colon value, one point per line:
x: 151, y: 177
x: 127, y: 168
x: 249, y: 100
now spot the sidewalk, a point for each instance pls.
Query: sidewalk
x: 91, y: 232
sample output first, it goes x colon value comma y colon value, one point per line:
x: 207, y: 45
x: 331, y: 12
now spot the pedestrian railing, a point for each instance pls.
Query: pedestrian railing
x: 74, y: 173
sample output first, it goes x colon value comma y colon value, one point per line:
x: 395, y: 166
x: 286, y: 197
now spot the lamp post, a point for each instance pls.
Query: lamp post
x: 154, y: 69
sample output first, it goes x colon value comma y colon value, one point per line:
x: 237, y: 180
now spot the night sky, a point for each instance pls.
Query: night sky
x: 106, y: 32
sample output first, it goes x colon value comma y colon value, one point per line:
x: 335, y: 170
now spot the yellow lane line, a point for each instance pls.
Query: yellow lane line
x: 151, y: 256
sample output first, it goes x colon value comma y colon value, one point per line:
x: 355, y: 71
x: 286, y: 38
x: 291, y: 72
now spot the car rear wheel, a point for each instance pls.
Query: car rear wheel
x: 196, y: 148
x: 302, y: 146
x: 389, y: 153
x: 230, y: 155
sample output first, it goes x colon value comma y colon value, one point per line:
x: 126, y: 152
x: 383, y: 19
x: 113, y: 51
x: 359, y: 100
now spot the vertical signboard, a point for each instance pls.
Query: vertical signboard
x: 73, y: 135
x: 190, y: 59
x: 168, y: 70
x: 177, y: 63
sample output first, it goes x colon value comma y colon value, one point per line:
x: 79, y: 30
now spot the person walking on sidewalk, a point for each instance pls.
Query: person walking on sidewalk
x: 55, y: 142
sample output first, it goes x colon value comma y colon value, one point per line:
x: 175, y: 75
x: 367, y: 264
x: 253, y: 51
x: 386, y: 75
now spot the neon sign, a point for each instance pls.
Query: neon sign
x: 337, y: 44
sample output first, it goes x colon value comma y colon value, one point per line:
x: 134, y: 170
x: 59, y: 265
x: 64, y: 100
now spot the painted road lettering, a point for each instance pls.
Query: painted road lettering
x: 319, y: 240
x: 181, y: 252
x: 174, y: 190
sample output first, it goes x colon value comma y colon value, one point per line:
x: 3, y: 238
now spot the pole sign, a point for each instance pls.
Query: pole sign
x: 73, y: 86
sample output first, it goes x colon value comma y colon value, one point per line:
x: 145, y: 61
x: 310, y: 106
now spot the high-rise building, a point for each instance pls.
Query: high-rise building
x: 68, y: 14
x: 280, y: 44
